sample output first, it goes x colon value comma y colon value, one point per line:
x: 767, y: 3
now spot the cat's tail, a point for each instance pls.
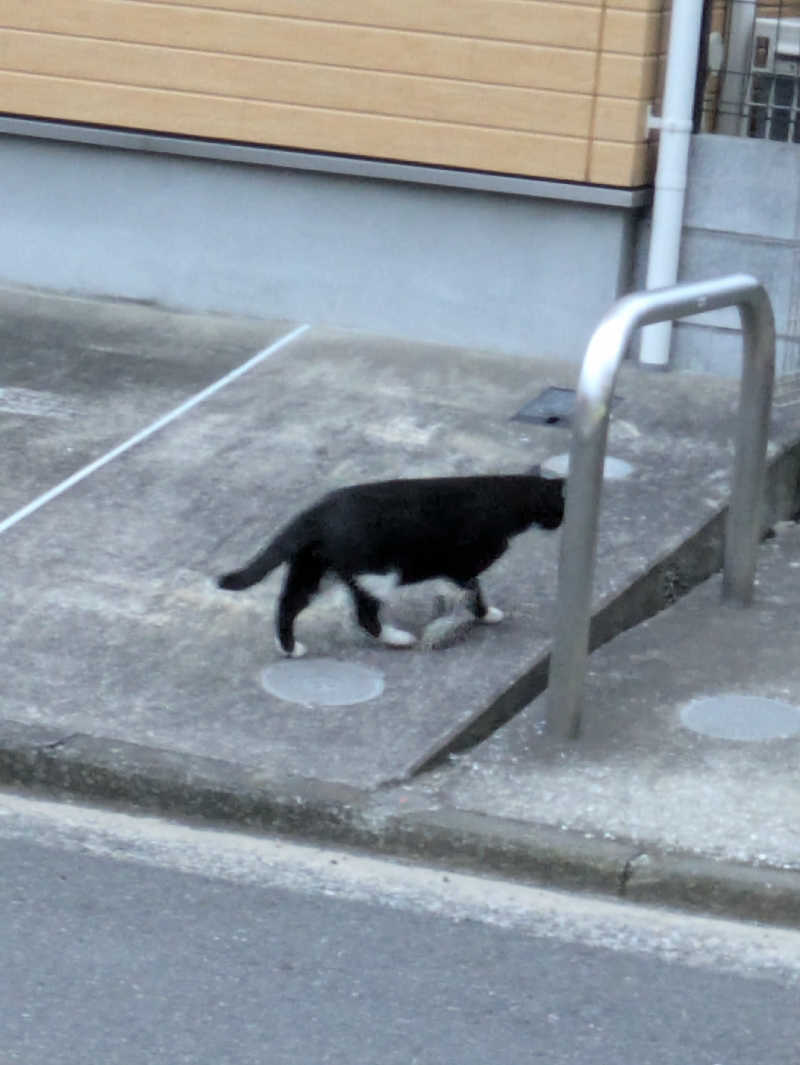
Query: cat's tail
x: 279, y: 550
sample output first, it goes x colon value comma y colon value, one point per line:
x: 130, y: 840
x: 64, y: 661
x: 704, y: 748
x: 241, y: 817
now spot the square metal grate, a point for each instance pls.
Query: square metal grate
x: 553, y: 406
x: 772, y: 108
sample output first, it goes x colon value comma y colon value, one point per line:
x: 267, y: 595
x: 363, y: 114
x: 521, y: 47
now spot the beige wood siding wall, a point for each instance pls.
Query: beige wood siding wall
x: 778, y: 9
x: 545, y: 88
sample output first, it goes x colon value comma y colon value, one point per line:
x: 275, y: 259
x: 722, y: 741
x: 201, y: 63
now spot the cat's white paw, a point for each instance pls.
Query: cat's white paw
x: 393, y: 637
x: 297, y: 651
x: 492, y: 616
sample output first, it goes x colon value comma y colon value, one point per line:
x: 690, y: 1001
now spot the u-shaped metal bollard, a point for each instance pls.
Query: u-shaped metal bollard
x: 601, y: 363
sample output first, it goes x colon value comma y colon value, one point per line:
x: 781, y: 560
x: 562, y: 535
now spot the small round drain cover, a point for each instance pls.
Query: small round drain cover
x: 613, y: 469
x: 741, y: 717
x: 322, y: 681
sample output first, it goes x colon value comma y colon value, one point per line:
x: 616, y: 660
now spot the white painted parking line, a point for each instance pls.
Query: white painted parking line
x: 149, y: 430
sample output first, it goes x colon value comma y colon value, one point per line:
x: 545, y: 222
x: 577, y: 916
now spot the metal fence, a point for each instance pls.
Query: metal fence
x: 749, y: 83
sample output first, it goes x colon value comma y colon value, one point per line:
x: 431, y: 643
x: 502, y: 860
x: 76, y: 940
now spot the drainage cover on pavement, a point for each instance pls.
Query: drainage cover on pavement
x: 322, y: 681
x: 741, y: 717
x: 553, y: 406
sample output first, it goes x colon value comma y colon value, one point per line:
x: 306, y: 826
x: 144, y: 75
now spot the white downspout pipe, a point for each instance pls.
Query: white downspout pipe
x: 675, y: 125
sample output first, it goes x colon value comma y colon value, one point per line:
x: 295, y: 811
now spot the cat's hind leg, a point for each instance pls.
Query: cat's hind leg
x: 477, y: 605
x: 301, y: 582
x: 368, y: 614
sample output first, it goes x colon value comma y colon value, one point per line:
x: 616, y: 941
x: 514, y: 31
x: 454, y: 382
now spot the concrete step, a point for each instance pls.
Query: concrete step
x: 690, y: 744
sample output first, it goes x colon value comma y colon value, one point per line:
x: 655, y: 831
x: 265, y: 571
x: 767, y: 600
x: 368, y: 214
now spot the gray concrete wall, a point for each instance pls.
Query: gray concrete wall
x: 742, y: 214
x: 512, y: 273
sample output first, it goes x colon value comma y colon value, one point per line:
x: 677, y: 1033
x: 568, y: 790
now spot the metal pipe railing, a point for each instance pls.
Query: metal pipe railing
x: 601, y: 363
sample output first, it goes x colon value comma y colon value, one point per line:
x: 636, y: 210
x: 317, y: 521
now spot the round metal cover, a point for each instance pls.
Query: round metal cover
x: 322, y: 681
x: 613, y: 469
x: 741, y: 717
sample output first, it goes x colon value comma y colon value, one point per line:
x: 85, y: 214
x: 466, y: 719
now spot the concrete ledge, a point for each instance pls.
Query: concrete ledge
x: 152, y: 779
x: 327, y: 163
x: 702, y: 884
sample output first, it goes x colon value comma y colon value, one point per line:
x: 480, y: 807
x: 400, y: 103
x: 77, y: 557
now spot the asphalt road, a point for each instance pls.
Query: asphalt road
x: 129, y: 940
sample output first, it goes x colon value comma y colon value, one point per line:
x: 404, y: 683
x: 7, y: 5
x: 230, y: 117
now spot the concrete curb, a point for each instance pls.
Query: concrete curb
x: 160, y: 781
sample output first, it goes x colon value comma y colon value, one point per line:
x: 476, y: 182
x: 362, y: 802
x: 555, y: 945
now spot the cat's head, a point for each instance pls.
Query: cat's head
x: 551, y: 493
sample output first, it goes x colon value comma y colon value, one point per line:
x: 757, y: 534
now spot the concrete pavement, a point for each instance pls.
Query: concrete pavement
x: 130, y: 676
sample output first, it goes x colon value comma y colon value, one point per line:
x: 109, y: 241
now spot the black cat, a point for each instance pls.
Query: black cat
x: 408, y: 531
